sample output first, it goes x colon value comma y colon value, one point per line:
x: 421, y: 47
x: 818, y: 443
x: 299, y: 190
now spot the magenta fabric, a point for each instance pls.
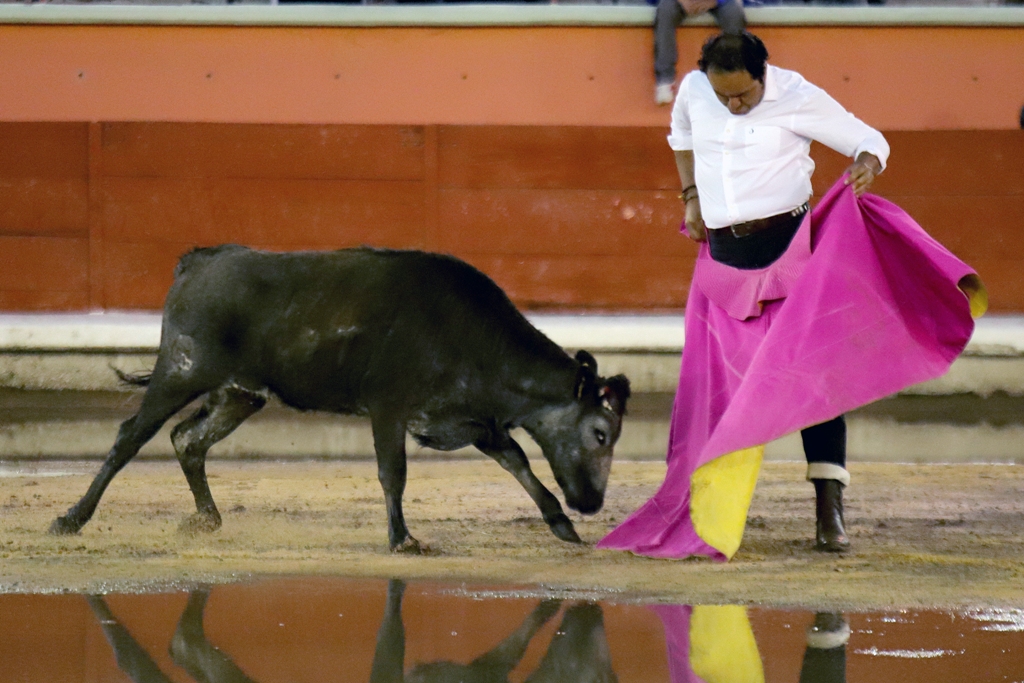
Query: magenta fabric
x: 675, y: 621
x: 875, y: 309
x: 742, y: 293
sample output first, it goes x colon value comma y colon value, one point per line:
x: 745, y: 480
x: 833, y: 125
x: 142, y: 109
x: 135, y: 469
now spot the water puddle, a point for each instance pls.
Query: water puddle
x: 322, y: 629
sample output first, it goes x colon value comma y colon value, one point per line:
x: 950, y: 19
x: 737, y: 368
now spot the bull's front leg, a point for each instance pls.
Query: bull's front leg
x: 389, y: 443
x: 510, y: 456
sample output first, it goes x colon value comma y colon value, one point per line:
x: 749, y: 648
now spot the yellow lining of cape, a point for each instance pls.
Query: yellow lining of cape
x: 977, y: 295
x: 720, y: 495
x: 722, y: 645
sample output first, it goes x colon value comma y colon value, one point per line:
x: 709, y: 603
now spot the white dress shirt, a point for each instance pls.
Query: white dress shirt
x: 758, y: 164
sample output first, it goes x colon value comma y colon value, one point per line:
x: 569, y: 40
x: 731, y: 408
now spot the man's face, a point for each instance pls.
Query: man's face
x: 737, y: 90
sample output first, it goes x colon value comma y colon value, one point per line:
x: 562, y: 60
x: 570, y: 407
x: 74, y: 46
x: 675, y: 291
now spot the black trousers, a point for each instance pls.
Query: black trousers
x: 825, y: 442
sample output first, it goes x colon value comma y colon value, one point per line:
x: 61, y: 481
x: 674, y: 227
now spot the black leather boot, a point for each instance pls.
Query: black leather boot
x: 831, y: 534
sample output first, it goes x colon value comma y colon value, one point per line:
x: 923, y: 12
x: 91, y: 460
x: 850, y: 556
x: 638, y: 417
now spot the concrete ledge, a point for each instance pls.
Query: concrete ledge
x: 80, y: 332
x: 59, y: 351
x: 139, y: 332
x: 487, y: 14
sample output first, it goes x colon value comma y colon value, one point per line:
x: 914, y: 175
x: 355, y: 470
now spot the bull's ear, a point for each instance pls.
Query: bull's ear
x: 614, y: 392
x: 586, y: 376
x: 585, y: 359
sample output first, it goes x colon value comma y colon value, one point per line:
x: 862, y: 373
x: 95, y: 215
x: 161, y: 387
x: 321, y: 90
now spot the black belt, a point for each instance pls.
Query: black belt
x: 759, y: 224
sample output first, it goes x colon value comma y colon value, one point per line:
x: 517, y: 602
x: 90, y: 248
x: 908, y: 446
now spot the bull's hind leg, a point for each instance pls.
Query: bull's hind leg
x: 223, y: 410
x: 159, y: 403
x: 389, y: 443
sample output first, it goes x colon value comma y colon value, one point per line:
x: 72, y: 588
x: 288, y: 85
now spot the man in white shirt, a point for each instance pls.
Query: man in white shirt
x: 741, y: 134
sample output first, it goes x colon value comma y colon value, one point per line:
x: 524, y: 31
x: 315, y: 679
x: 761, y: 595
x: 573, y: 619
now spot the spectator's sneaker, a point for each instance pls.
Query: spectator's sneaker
x: 663, y: 94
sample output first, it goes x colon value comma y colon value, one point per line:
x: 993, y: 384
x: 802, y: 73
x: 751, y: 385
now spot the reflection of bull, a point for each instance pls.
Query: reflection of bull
x: 189, y: 647
x: 423, y: 344
x: 578, y: 652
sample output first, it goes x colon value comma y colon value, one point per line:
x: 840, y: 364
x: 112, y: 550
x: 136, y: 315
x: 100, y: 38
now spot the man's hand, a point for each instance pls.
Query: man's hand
x: 695, y: 7
x: 863, y: 172
x: 695, y: 228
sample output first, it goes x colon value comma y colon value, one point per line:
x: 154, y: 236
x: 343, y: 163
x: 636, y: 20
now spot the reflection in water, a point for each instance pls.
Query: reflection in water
x: 715, y: 644
x: 189, y: 647
x: 825, y: 657
x: 578, y: 652
x: 131, y: 657
x: 325, y: 630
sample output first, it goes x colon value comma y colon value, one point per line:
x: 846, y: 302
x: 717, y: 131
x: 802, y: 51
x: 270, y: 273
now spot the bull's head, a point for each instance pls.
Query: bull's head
x: 577, y: 437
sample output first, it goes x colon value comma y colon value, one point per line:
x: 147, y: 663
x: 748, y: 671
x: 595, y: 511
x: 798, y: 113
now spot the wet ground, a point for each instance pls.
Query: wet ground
x: 931, y: 536
x: 320, y: 629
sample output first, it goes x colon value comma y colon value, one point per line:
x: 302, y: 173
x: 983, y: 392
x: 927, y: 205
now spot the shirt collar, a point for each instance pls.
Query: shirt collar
x: 771, y: 87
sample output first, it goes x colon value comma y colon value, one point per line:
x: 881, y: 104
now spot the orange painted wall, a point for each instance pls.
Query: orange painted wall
x: 895, y: 78
x: 534, y: 153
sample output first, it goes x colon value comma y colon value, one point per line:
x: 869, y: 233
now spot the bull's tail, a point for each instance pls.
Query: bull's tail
x: 140, y: 380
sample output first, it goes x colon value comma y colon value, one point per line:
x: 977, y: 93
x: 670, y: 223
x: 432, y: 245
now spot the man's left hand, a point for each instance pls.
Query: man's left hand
x: 863, y: 172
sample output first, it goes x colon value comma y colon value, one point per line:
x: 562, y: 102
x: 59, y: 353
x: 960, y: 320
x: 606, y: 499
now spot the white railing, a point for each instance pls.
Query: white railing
x: 492, y: 14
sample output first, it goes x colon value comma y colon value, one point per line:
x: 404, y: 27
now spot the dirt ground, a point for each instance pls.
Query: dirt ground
x: 942, y: 536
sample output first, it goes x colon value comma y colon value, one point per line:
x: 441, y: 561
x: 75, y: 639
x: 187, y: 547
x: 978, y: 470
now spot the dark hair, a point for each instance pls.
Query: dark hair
x: 728, y: 52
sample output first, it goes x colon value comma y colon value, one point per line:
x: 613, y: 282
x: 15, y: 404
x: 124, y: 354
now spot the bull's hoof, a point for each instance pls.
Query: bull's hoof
x: 410, y: 546
x: 62, y: 526
x: 199, y: 523
x: 563, y: 529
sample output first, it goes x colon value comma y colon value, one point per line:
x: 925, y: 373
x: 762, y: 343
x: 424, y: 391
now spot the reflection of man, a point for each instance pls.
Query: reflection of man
x: 825, y: 656
x: 793, y: 318
x: 716, y: 644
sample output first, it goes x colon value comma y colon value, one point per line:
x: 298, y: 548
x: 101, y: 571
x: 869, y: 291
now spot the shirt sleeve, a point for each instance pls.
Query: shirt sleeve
x: 825, y: 120
x: 681, y: 136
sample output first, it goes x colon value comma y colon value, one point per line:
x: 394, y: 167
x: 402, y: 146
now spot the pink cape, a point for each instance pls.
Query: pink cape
x: 878, y: 307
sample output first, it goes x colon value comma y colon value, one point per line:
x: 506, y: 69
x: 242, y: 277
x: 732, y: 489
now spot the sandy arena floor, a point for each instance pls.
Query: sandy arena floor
x: 923, y: 535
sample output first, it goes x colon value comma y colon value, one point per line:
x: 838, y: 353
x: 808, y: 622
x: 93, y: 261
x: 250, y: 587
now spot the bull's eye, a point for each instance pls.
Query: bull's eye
x: 600, y: 436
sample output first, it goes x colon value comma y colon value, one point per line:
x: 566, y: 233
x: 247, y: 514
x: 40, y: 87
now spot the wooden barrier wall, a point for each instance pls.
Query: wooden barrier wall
x: 95, y: 216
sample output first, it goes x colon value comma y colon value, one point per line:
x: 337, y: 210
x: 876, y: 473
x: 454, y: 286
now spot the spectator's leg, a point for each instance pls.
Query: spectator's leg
x: 668, y: 15
x: 730, y: 17
x: 825, y: 448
